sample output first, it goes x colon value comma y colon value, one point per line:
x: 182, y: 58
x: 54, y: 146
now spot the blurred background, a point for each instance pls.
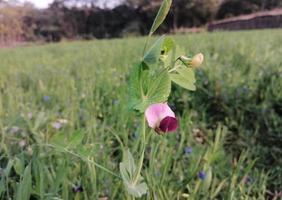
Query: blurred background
x: 54, y: 20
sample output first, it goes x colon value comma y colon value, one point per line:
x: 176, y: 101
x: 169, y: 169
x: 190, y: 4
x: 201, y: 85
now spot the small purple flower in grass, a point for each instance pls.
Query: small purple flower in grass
x: 29, y: 115
x: 46, y: 98
x: 161, y: 118
x: 188, y: 150
x: 22, y: 143
x: 247, y: 180
x: 15, y: 130
x: 202, y: 175
x: 56, y: 125
x: 115, y: 102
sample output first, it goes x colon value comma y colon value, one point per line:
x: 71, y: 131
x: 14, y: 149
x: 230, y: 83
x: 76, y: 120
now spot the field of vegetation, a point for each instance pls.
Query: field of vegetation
x: 64, y: 117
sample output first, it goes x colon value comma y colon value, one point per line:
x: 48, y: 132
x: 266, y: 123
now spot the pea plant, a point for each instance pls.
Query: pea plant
x: 162, y: 65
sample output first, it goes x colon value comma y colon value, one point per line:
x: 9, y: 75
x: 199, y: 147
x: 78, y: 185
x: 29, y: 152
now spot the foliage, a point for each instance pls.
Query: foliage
x: 231, y: 8
x: 11, y: 24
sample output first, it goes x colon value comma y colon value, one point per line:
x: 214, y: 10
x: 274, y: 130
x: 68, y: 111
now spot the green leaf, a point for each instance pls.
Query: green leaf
x: 18, y: 166
x: 59, y: 139
x: 38, y: 171
x: 172, y: 53
x: 160, y: 88
x: 125, y: 173
x: 167, y: 56
x: 128, y: 160
x: 83, y: 151
x: 5, y: 176
x: 157, y: 85
x: 158, y: 91
x: 152, y: 56
x: 136, y: 190
x: 127, y: 170
x: 208, y: 180
x: 40, y: 119
x: 168, y: 45
x: 218, y: 189
x: 24, y: 188
x: 127, y: 166
x: 61, y: 173
x: 76, y: 139
x: 162, y: 13
x: 184, y: 77
x: 135, y: 90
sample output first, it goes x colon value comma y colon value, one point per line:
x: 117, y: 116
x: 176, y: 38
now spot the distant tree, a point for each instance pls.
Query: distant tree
x: 231, y: 8
x: 11, y: 23
x: 189, y: 13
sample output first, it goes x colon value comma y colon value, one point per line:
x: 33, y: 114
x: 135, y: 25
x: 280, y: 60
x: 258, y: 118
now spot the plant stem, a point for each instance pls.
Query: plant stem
x: 64, y: 150
x: 143, y: 143
x: 174, y: 69
x: 145, y: 46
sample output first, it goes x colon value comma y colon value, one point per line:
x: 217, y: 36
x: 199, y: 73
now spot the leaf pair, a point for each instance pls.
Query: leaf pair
x: 150, y: 80
x: 157, y: 88
x: 148, y: 83
x: 180, y: 74
x: 128, y: 169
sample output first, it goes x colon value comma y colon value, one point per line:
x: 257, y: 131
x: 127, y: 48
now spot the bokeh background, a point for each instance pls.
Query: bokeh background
x: 88, y: 19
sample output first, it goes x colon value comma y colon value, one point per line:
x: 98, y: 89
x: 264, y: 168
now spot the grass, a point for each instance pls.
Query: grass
x: 232, y: 122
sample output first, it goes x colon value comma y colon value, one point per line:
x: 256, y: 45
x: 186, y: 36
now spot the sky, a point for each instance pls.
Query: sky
x: 45, y: 3
x: 40, y: 3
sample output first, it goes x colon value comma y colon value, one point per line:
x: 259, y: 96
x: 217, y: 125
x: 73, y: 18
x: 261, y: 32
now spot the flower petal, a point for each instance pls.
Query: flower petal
x: 168, y: 124
x: 155, y: 113
x: 197, y: 60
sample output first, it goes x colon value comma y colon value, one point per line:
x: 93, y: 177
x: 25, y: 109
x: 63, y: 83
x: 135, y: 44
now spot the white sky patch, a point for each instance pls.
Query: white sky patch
x: 45, y: 3
x: 39, y: 3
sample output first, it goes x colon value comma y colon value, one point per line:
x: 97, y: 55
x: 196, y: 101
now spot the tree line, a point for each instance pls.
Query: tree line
x: 86, y: 19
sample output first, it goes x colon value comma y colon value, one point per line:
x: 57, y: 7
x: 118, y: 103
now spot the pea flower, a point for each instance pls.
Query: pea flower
x: 161, y: 118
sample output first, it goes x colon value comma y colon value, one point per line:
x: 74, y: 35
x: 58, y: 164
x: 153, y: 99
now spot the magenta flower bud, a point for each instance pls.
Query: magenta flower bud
x: 161, y: 118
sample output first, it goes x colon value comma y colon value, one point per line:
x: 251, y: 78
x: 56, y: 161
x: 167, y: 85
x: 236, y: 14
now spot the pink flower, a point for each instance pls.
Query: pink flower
x: 161, y: 118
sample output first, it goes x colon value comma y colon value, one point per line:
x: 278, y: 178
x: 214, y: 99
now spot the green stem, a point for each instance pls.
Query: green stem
x: 145, y: 46
x: 64, y: 150
x: 174, y: 69
x: 143, y: 142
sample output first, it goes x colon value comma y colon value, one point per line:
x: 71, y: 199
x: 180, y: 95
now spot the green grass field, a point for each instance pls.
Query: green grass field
x: 64, y: 113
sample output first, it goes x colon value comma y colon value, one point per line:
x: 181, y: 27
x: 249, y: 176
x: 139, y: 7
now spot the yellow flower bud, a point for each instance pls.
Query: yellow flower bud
x: 197, y: 60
